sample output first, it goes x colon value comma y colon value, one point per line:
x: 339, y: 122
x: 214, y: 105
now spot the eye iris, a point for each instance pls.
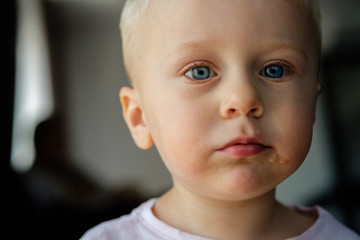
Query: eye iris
x: 274, y: 71
x: 200, y: 73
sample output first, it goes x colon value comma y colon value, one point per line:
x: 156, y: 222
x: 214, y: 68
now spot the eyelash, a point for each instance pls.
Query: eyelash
x: 197, y: 64
x: 288, y: 66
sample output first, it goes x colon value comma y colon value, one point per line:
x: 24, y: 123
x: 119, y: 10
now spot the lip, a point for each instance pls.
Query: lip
x: 243, y: 147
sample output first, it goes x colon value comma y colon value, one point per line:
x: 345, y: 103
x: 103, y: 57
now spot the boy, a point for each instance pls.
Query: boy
x: 226, y: 90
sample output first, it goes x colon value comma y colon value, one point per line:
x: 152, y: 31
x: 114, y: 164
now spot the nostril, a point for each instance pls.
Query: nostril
x: 257, y: 112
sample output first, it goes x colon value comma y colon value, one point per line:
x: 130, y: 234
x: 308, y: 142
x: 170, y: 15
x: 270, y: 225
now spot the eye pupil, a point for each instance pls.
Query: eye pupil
x: 200, y: 73
x: 273, y: 71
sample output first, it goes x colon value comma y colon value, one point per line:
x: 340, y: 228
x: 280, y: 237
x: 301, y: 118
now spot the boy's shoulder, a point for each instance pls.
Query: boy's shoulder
x: 125, y: 227
x: 325, y: 226
x: 140, y: 224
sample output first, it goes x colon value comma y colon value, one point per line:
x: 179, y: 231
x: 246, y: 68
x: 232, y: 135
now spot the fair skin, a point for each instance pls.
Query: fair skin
x: 229, y: 102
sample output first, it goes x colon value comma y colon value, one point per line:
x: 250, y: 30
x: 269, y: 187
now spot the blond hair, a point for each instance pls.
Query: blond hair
x: 134, y: 11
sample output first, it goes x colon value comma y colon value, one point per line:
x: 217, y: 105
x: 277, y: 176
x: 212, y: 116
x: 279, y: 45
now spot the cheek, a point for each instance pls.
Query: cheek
x: 293, y: 118
x: 179, y: 130
x: 296, y: 127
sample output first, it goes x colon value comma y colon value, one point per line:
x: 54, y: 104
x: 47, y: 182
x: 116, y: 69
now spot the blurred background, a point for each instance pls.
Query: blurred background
x: 68, y: 159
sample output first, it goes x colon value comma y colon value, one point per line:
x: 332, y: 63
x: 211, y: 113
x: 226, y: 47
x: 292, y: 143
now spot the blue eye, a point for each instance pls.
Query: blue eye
x: 200, y: 73
x: 274, y: 71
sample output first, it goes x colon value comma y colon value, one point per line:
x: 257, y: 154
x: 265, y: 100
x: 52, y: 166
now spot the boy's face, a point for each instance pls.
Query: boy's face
x: 227, y: 89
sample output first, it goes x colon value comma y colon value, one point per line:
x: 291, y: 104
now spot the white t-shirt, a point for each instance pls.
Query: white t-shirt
x: 142, y: 224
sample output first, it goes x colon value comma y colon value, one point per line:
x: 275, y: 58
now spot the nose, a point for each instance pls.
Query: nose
x: 242, y: 98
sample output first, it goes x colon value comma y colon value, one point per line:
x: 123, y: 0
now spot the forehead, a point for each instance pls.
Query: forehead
x: 258, y: 21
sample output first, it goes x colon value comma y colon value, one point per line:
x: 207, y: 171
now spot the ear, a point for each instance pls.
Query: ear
x: 134, y: 118
x: 319, y: 90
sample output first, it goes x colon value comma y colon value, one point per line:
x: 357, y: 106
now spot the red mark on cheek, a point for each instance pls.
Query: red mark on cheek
x: 285, y: 162
x: 273, y: 158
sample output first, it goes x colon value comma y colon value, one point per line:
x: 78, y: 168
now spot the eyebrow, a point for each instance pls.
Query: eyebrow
x: 208, y: 43
x: 293, y: 47
x: 193, y: 44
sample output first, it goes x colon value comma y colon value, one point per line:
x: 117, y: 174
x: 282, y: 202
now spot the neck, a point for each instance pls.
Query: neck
x: 246, y: 219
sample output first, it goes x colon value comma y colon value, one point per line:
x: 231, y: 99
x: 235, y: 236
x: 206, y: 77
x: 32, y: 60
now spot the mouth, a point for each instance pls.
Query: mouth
x: 243, y: 147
